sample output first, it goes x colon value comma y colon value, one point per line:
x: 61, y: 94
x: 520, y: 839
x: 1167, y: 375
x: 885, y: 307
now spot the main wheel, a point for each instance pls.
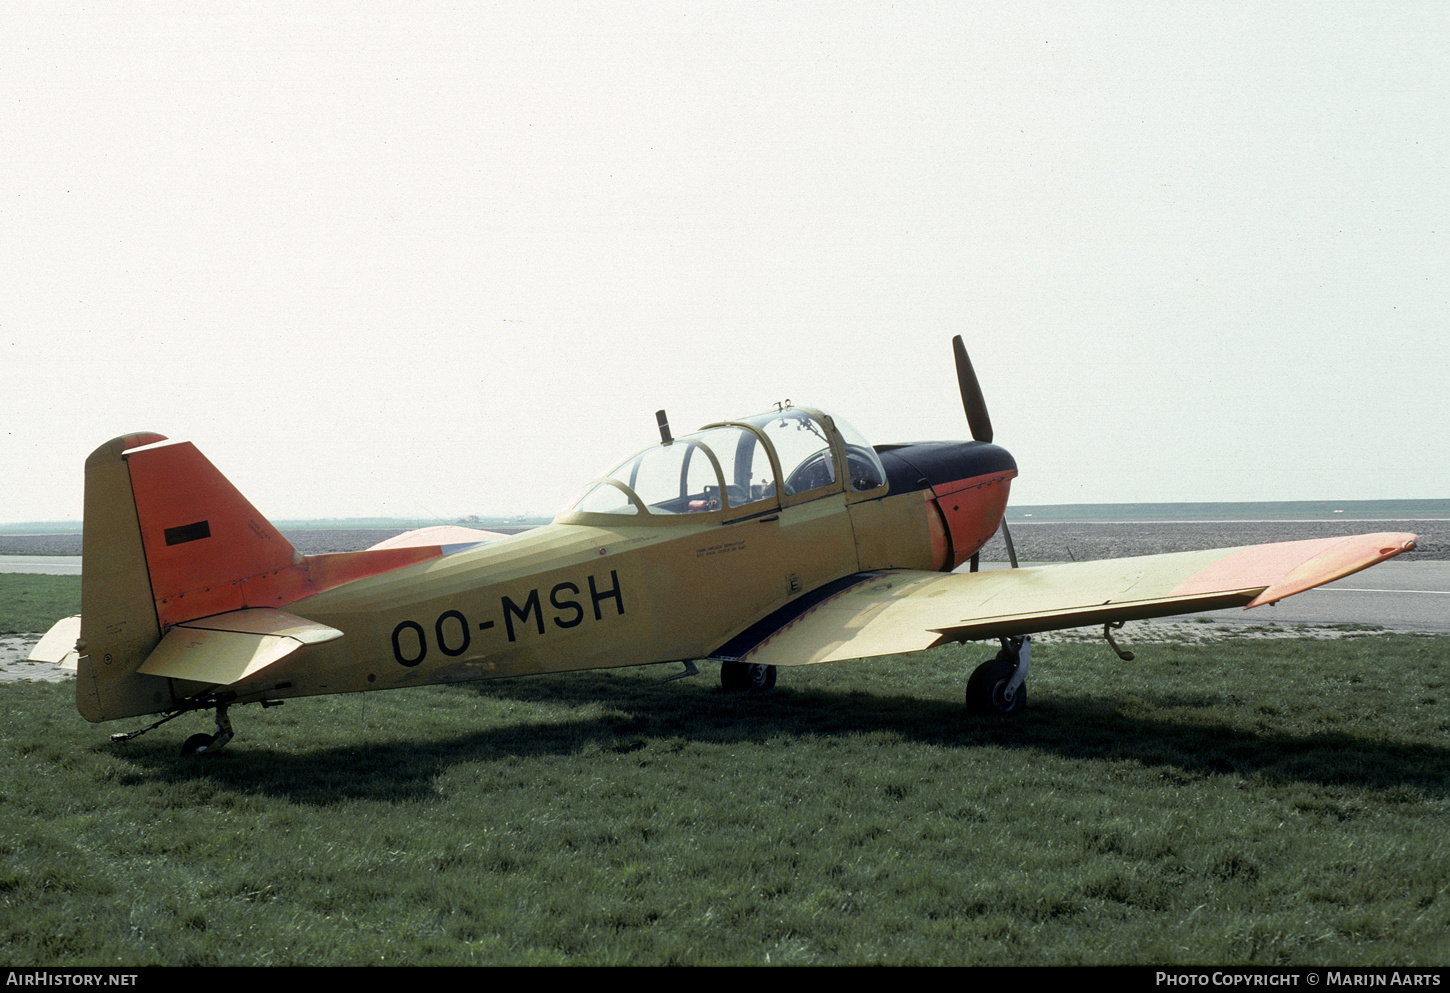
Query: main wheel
x: 197, y: 744
x: 745, y: 676
x: 987, y: 687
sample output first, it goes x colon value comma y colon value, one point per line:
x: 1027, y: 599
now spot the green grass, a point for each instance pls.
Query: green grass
x: 32, y: 603
x: 1243, y: 802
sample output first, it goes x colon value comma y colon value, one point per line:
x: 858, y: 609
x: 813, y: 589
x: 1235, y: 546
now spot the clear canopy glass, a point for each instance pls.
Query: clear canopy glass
x: 738, y: 465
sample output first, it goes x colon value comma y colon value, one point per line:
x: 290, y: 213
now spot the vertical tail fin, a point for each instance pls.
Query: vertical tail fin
x: 119, y: 627
x: 167, y: 539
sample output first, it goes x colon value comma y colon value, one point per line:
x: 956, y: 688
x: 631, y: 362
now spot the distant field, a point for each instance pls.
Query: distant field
x: 310, y: 541
x: 353, y: 523
x: 1036, y: 541
x: 1042, y: 541
x: 1263, y: 510
x: 1257, y: 510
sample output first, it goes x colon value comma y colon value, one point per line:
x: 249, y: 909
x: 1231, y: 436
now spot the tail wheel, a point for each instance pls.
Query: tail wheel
x: 197, y: 744
x: 986, y: 690
x: 745, y: 676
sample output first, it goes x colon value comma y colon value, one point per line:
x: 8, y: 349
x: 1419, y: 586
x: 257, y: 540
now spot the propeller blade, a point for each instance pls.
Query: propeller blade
x: 972, y: 401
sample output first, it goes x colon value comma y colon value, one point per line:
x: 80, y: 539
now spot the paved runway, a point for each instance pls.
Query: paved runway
x: 1402, y: 596
x: 45, y: 565
x: 1396, y: 595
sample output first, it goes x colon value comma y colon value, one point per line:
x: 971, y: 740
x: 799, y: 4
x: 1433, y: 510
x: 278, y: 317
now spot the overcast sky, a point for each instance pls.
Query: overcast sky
x: 426, y: 260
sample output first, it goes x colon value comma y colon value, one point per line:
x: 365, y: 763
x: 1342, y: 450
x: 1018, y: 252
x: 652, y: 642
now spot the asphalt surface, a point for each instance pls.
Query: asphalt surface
x: 1399, y: 596
x: 1395, y: 595
x: 45, y: 565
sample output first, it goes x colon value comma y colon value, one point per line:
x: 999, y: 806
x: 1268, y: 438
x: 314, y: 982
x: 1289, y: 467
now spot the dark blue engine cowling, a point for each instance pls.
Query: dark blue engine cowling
x: 968, y: 483
x: 925, y: 464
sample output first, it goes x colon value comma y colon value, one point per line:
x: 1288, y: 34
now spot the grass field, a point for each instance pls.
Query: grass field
x: 30, y: 604
x: 1247, y: 801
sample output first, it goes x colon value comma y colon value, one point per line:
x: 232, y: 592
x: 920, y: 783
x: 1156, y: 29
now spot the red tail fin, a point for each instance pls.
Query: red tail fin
x: 168, y: 540
x: 205, y: 543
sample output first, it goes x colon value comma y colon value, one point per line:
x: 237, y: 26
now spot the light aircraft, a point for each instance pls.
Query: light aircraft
x: 781, y: 539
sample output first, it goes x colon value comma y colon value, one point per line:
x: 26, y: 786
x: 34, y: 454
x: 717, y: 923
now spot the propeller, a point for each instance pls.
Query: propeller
x: 979, y: 421
x: 972, y: 400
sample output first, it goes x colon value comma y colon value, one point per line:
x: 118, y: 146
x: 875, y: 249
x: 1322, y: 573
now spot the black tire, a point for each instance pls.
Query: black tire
x: 736, y: 676
x: 985, y: 688
x: 197, y: 744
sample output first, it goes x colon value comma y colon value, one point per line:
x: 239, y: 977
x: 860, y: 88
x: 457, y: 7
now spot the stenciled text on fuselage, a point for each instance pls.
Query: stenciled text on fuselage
x: 453, y: 631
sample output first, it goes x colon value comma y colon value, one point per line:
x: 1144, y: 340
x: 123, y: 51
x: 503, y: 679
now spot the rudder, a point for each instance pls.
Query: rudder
x: 171, y: 544
x: 167, y: 539
x: 119, y: 627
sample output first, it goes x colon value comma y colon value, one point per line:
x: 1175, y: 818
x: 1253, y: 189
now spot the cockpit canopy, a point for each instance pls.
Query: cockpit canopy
x: 748, y: 466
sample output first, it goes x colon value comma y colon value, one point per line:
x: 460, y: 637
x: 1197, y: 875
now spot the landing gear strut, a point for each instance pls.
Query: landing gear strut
x: 200, y: 743
x: 999, y: 685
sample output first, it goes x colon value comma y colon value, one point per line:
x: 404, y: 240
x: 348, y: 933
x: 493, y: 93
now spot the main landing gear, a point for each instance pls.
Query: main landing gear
x: 745, y: 676
x: 999, y: 685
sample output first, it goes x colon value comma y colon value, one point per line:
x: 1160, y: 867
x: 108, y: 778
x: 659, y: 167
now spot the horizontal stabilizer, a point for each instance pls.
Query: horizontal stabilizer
x: 228, y: 648
x: 59, y: 644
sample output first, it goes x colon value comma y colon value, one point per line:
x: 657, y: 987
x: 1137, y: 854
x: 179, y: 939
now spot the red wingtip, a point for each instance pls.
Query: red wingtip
x: 1340, y: 558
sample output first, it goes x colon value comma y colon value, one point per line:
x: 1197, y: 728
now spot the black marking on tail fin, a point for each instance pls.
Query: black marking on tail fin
x: 188, y: 532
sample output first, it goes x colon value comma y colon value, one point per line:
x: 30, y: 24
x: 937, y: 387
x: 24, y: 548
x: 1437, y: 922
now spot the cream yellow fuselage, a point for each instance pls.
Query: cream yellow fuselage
x: 572, y: 596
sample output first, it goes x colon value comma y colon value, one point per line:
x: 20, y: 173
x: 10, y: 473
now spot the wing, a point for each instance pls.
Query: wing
x: 449, y: 536
x: 886, y: 613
